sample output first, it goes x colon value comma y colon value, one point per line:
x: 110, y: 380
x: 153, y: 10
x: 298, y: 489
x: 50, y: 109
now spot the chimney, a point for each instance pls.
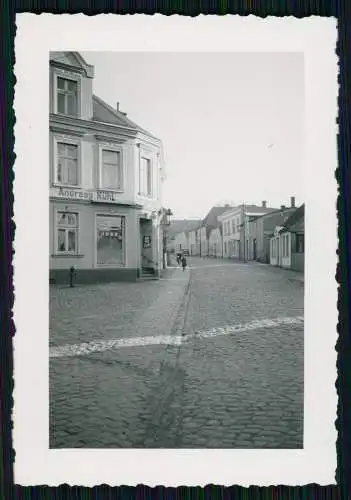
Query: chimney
x: 292, y: 202
x: 117, y: 107
x: 264, y: 204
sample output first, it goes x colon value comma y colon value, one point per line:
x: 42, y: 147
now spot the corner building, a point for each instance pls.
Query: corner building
x: 106, y: 176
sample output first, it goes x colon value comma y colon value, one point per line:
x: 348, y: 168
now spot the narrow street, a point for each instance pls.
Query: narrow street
x: 207, y: 358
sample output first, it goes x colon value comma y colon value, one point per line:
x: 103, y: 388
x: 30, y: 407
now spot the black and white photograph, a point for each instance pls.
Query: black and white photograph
x: 192, y: 338
x: 181, y: 251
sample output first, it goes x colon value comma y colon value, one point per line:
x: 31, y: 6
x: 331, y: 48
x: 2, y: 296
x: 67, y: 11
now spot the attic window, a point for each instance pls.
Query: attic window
x: 67, y: 96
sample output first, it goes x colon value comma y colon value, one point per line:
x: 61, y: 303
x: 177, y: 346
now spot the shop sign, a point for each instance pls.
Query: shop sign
x: 106, y: 197
x: 71, y: 194
x: 147, y: 242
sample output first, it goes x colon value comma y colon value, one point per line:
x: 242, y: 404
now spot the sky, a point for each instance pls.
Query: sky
x: 231, y: 123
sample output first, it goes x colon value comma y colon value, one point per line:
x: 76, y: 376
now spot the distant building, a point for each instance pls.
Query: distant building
x: 191, y: 234
x: 210, y: 222
x: 263, y: 228
x: 185, y: 239
x: 177, y: 226
x: 236, y: 229
x: 215, y: 242
x: 287, y: 244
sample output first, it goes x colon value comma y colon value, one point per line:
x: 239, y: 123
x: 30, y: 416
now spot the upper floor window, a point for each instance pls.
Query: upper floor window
x: 67, y: 164
x: 145, y: 178
x: 111, y: 171
x: 67, y: 96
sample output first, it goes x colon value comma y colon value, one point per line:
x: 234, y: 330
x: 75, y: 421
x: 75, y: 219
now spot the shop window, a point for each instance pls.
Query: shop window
x: 111, y: 172
x: 67, y: 232
x: 67, y: 96
x: 67, y: 164
x: 110, y: 240
x: 300, y: 243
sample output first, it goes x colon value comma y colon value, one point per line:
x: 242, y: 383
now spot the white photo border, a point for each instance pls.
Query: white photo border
x: 34, y: 462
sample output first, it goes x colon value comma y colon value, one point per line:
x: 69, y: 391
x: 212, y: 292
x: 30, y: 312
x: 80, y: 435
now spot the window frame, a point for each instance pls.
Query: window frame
x: 147, y: 153
x: 65, y: 139
x: 300, y: 237
x: 114, y: 148
x: 148, y: 161
x: 111, y: 215
x: 67, y: 228
x: 67, y: 75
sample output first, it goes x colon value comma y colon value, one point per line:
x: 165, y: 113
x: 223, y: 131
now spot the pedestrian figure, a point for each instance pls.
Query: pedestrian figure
x: 179, y: 257
x: 184, y: 262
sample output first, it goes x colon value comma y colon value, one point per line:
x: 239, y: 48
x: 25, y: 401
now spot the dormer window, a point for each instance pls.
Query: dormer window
x: 67, y: 96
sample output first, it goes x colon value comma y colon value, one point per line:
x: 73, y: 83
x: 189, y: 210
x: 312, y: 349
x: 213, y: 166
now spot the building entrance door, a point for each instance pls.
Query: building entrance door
x: 146, y: 243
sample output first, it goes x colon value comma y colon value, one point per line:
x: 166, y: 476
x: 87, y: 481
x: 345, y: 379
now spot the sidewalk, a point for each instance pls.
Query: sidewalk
x: 106, y: 311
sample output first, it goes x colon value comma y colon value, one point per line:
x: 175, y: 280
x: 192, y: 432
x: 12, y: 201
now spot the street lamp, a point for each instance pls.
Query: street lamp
x: 243, y: 227
x: 165, y: 222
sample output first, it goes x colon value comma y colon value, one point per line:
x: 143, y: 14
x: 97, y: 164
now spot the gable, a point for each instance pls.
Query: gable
x: 73, y: 59
x: 66, y: 58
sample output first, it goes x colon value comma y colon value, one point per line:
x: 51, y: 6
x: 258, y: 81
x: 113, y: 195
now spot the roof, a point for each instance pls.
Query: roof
x: 180, y: 225
x: 73, y: 59
x: 255, y: 210
x: 211, y: 219
x: 251, y: 210
x: 273, y: 211
x: 103, y: 112
x: 192, y: 225
x: 295, y: 216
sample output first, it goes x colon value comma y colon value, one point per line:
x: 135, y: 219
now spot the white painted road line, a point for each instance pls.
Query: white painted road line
x: 105, y: 345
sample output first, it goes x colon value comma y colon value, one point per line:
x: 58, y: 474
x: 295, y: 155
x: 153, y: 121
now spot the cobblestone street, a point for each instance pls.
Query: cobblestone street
x: 207, y: 358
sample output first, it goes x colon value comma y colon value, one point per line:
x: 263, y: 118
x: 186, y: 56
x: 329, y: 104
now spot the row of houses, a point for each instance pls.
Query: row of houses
x: 246, y: 232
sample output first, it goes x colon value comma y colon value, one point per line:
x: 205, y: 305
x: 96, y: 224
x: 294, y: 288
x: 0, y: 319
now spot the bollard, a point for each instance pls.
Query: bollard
x: 72, y: 273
